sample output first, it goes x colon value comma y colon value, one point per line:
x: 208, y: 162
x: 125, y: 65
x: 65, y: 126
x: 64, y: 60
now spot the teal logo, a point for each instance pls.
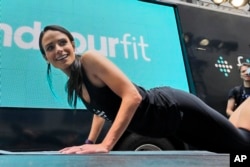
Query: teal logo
x: 223, y: 66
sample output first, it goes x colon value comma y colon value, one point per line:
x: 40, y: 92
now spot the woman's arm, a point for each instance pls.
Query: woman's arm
x: 102, y: 72
x: 96, y: 127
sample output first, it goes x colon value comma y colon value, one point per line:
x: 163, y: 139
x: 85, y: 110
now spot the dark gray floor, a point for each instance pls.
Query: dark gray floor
x: 116, y: 159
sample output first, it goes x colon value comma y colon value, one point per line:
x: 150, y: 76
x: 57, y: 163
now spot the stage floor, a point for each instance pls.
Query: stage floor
x: 115, y: 159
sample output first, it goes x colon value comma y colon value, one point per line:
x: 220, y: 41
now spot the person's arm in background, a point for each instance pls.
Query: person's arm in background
x: 230, y: 106
x: 96, y: 127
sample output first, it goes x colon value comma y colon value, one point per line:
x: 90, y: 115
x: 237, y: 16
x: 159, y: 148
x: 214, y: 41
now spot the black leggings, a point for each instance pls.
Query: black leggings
x: 204, y: 128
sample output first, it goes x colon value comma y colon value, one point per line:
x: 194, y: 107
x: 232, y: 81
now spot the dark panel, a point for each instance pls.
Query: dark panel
x: 214, y: 66
x: 42, y: 129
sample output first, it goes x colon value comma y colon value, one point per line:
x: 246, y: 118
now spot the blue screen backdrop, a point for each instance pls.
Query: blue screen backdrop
x: 141, y: 38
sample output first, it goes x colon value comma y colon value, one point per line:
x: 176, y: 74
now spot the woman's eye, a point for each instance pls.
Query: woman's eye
x: 49, y: 48
x: 62, y: 42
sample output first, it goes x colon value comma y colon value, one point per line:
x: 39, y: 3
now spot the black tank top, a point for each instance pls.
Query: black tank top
x: 103, y: 101
x: 151, y: 117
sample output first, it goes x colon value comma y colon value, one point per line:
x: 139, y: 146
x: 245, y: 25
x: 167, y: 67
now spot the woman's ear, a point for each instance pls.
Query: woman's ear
x: 73, y: 44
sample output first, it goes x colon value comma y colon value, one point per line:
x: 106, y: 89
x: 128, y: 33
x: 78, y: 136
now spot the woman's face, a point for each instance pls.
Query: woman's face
x: 59, y: 50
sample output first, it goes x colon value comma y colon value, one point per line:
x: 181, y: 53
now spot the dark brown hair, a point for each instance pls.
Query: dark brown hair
x: 74, y: 83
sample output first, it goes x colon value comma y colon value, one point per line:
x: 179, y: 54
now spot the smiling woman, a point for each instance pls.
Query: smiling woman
x: 109, y: 94
x: 126, y: 37
x: 130, y: 40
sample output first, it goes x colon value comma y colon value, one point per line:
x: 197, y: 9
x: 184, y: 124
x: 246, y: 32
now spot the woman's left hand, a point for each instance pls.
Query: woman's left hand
x: 85, y: 149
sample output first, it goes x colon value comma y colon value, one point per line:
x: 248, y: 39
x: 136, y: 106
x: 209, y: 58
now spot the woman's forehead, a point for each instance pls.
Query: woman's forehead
x: 51, y: 35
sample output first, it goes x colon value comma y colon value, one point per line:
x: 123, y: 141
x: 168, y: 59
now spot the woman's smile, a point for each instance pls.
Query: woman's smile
x: 61, y: 57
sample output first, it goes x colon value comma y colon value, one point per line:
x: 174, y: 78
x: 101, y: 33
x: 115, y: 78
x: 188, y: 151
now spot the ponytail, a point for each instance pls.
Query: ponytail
x: 74, y: 83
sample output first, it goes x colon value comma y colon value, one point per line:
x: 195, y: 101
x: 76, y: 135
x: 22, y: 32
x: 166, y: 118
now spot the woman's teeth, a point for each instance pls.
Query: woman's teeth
x: 61, y: 57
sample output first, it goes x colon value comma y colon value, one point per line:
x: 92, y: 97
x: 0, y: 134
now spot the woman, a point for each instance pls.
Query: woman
x: 110, y: 95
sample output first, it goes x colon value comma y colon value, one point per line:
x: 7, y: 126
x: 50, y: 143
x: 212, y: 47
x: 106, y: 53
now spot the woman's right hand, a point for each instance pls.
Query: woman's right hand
x: 85, y: 149
x: 71, y: 150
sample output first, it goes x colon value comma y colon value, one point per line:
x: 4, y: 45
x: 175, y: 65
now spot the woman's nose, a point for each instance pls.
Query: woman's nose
x: 59, y: 49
